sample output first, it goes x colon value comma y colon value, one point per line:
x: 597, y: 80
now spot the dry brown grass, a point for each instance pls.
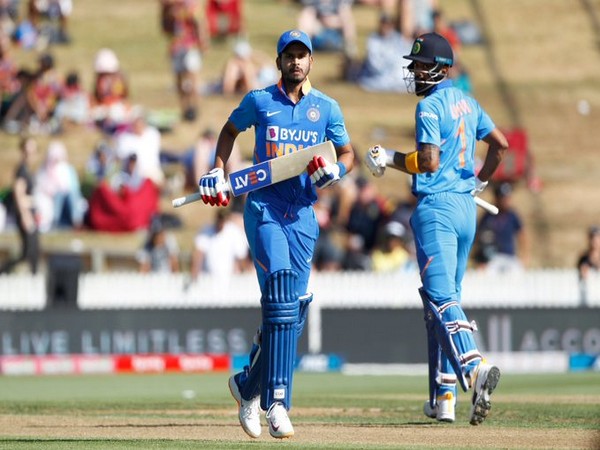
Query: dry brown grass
x: 546, y: 53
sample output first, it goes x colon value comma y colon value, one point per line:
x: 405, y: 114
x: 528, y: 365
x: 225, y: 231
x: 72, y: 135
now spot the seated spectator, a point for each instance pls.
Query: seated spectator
x: 9, y: 82
x: 33, y: 107
x: 143, y: 140
x: 328, y: 254
x: 247, y: 69
x: 224, y: 18
x: 160, y: 252
x: 187, y: 41
x: 126, y: 202
x: 26, y: 35
x: 50, y: 18
x: 74, y: 104
x: 501, y: 242
x: 330, y: 25
x: 59, y: 200
x: 221, y: 249
x: 368, y: 214
x: 416, y: 16
x: 9, y: 15
x: 101, y: 165
x: 383, y: 67
x: 199, y: 159
x: 356, y: 258
x: 110, y: 93
x: 391, y: 254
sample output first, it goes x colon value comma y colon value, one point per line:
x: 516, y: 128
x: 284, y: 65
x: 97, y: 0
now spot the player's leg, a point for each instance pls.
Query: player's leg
x: 482, y: 376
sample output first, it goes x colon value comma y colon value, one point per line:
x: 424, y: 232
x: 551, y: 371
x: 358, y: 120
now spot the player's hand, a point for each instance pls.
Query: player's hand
x: 322, y: 173
x: 212, y: 187
x: 479, y: 187
x: 376, y: 160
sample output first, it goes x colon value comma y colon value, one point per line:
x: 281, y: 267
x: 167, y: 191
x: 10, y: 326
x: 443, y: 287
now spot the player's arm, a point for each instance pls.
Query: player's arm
x: 225, y: 142
x: 425, y: 159
x: 213, y: 186
x: 497, y: 146
x: 345, y: 156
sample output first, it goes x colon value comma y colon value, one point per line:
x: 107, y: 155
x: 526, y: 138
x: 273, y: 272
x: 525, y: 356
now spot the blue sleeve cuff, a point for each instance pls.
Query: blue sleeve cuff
x: 342, y: 169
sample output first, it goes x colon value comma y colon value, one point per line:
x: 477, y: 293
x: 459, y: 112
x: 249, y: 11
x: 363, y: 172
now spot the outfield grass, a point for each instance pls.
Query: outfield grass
x: 196, y: 411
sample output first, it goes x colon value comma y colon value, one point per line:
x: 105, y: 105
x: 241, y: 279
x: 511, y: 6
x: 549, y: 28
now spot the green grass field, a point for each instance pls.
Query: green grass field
x: 330, y: 411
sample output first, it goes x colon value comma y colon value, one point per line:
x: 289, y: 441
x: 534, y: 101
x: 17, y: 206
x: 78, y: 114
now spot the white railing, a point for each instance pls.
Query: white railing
x: 539, y: 288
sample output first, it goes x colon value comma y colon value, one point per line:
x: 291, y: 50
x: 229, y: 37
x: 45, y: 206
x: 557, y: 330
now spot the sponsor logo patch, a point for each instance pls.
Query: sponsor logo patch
x: 279, y: 394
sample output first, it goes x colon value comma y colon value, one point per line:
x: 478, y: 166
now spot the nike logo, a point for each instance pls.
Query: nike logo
x: 272, y: 113
x: 274, y: 426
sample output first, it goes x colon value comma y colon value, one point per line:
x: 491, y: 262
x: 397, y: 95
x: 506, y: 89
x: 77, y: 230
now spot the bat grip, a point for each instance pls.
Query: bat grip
x: 194, y: 197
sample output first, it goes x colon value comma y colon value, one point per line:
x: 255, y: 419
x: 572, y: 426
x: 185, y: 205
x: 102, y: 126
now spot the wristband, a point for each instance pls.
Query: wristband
x: 343, y: 169
x: 411, y: 162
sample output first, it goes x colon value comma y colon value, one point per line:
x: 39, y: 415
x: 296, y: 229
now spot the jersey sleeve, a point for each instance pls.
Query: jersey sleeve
x: 244, y: 116
x: 336, y: 128
x: 427, y: 124
x: 485, y: 125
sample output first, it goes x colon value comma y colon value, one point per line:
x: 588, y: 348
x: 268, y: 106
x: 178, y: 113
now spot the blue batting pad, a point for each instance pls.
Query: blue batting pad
x: 280, y: 311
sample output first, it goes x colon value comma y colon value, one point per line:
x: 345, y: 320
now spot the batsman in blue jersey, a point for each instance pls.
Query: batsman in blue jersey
x: 448, y: 126
x: 280, y: 222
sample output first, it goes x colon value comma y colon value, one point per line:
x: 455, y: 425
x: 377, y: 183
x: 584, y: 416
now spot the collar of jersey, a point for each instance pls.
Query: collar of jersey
x: 442, y: 85
x: 306, y: 87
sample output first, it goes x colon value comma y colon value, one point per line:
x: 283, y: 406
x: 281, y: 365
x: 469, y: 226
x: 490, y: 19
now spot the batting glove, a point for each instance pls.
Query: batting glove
x: 479, y: 187
x: 212, y: 187
x: 322, y: 173
x: 376, y: 160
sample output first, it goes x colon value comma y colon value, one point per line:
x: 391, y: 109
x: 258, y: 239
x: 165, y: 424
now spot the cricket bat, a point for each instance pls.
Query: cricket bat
x: 492, y: 209
x: 269, y: 172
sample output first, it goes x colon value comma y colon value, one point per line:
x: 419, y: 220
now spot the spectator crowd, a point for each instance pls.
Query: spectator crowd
x: 120, y: 187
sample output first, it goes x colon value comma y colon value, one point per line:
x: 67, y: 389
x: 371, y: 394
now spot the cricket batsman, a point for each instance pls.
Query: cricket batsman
x: 448, y: 126
x: 280, y: 222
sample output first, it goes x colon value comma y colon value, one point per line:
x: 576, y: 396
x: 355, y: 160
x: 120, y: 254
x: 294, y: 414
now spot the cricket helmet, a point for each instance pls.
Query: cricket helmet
x: 433, y: 50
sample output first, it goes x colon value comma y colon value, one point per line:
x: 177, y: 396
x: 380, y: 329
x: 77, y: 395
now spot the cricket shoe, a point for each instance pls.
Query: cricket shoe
x: 484, y: 381
x: 249, y: 410
x: 280, y: 425
x: 443, y: 410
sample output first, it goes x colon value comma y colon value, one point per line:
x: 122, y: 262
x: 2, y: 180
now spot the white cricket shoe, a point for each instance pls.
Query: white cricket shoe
x: 249, y: 410
x: 484, y: 380
x: 280, y: 425
x: 443, y: 410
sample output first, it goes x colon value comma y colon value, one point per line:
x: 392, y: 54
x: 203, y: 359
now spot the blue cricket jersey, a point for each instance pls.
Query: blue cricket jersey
x: 282, y: 127
x: 449, y: 118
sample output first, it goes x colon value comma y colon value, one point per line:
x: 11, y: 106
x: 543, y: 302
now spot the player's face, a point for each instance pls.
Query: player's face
x: 422, y: 75
x: 295, y: 63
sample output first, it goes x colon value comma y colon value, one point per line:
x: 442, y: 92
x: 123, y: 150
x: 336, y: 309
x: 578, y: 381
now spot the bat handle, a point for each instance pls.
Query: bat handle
x: 191, y: 198
x: 492, y: 209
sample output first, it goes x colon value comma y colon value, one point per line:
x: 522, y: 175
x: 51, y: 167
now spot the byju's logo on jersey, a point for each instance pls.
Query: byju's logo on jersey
x: 254, y: 177
x: 272, y: 133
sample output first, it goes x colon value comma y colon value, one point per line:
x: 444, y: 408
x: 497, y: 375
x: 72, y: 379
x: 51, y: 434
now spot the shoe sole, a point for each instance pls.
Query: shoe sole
x: 237, y: 396
x: 281, y: 436
x: 482, y: 405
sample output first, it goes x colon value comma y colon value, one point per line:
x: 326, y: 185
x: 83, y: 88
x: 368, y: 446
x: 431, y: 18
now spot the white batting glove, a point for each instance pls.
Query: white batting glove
x: 479, y: 187
x: 323, y: 173
x: 376, y: 160
x: 212, y: 187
